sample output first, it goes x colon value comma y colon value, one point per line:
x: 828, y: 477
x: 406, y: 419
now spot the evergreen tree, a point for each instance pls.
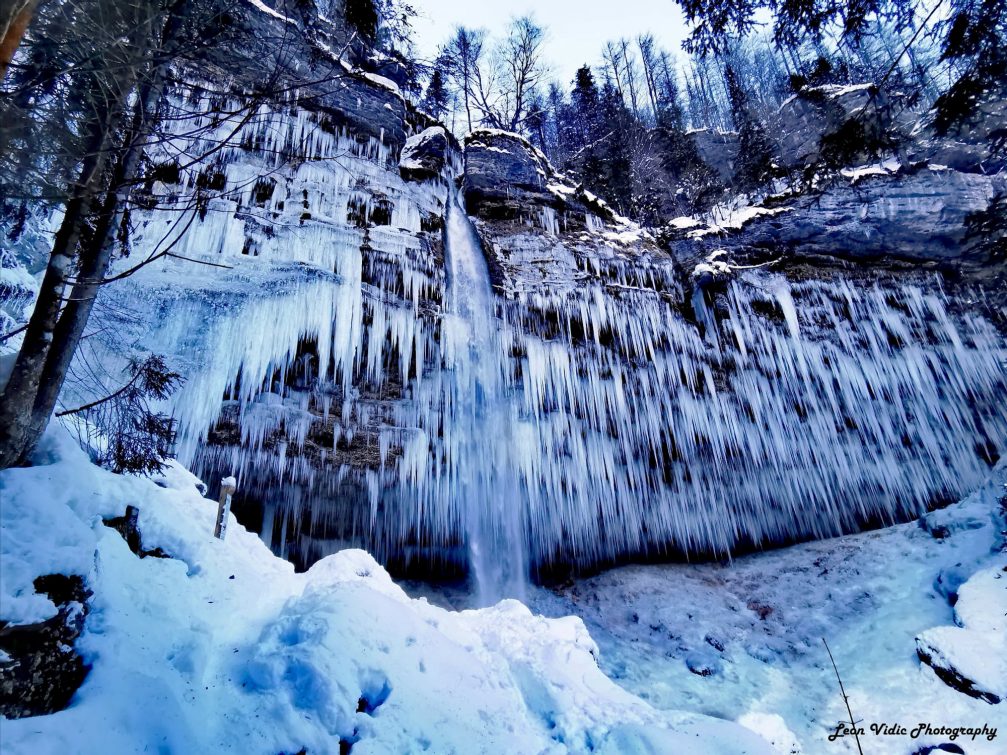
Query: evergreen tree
x: 581, y: 128
x: 556, y: 130
x: 615, y: 178
x: 976, y: 44
x: 536, y: 122
x: 436, y: 99
x: 974, y: 38
x: 756, y: 164
x: 585, y: 124
x: 669, y: 103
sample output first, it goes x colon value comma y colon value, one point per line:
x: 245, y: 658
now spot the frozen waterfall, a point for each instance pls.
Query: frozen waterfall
x: 368, y: 388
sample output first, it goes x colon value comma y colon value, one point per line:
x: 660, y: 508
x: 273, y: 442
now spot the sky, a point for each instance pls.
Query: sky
x: 577, y: 29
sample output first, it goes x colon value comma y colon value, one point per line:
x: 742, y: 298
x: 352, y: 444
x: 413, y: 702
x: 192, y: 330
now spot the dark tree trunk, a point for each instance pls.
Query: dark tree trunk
x: 17, y: 402
x: 94, y: 262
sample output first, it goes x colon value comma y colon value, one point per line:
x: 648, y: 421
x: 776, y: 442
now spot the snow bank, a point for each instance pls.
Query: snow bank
x: 223, y: 648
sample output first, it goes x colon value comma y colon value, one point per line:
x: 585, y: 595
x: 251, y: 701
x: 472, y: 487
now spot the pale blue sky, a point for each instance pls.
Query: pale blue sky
x: 578, y: 29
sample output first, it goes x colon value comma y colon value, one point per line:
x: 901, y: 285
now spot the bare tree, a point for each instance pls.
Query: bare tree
x: 650, y: 58
x: 631, y: 75
x: 521, y: 59
x: 498, y: 89
x: 612, y: 58
x: 463, y: 57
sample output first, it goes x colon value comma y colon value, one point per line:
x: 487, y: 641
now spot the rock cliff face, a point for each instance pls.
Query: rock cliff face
x: 506, y: 178
x: 810, y: 119
x: 322, y: 272
x: 718, y: 149
x: 879, y: 213
x: 976, y: 146
x: 932, y: 210
x: 612, y: 410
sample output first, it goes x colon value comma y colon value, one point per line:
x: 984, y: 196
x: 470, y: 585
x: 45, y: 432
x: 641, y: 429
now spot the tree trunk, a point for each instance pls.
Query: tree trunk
x: 18, y: 399
x: 94, y: 260
x: 14, y: 20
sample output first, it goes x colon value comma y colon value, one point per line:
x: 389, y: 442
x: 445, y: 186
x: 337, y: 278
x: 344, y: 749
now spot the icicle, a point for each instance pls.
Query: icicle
x: 582, y: 417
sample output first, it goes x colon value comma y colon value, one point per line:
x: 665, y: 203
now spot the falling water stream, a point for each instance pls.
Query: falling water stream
x: 486, y: 484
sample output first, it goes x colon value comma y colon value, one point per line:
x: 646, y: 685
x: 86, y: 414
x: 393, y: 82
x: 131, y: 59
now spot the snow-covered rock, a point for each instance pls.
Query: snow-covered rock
x: 972, y: 657
x: 714, y: 271
x: 425, y: 154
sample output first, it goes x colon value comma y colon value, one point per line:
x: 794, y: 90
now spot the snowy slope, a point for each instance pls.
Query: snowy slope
x: 225, y: 648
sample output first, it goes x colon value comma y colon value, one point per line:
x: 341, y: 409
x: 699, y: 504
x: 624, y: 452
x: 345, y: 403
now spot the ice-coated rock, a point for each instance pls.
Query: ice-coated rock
x: 334, y: 393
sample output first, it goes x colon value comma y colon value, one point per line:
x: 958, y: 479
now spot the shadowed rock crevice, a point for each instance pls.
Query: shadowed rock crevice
x: 40, y: 670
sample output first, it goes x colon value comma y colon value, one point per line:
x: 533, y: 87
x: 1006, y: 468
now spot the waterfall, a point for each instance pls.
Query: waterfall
x: 368, y: 390
x: 478, y: 427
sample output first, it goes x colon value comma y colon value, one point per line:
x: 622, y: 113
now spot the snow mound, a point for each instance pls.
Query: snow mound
x: 972, y: 657
x: 223, y: 648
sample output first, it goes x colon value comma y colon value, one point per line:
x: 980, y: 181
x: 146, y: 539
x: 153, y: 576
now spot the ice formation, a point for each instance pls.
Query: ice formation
x: 362, y: 395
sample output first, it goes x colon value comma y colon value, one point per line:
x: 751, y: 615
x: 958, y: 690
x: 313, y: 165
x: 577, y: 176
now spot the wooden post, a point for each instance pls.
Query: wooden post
x: 227, y: 487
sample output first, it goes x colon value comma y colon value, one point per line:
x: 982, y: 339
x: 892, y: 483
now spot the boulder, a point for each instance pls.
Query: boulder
x: 505, y: 175
x: 703, y: 663
x: 40, y: 669
x: 425, y: 154
x: 508, y: 178
x: 352, y: 88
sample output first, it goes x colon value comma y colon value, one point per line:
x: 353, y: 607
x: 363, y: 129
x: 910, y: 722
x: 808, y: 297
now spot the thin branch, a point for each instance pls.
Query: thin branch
x: 101, y: 401
x: 846, y: 698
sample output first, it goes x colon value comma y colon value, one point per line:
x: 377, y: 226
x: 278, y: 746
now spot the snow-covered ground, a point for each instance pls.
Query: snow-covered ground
x: 743, y: 641
x: 223, y: 648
